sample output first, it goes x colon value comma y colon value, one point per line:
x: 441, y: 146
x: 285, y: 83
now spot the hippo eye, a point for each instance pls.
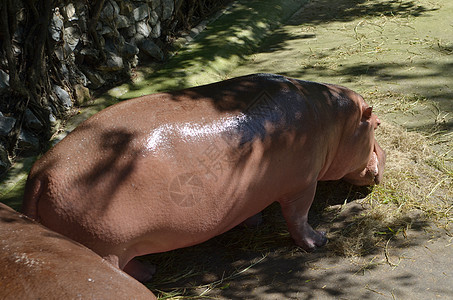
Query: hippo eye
x: 378, y: 123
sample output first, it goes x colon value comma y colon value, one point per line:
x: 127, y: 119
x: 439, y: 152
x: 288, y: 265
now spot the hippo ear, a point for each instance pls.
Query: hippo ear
x: 366, y: 114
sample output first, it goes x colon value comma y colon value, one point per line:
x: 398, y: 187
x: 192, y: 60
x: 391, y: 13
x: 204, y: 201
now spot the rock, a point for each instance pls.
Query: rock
x: 134, y: 61
x: 6, y: 125
x: 114, y: 62
x: 52, y: 119
x: 150, y: 48
x: 5, y: 163
x: 69, y: 12
x: 73, y: 73
x: 63, y: 97
x: 99, y: 26
x: 64, y: 70
x: 113, y: 44
x: 96, y: 80
x: 156, y: 32
x: 21, y: 15
x: 28, y: 144
x: 106, y: 30
x: 168, y: 7
x: 79, y: 77
x: 80, y: 7
x: 83, y: 24
x: 101, y: 41
x: 141, y: 12
x: 18, y: 37
x: 90, y: 56
x: 52, y: 107
x: 122, y: 22
x: 126, y: 30
x: 155, y: 5
x: 71, y: 38
x: 4, y: 81
x: 32, y: 122
x: 59, y: 53
x: 129, y: 50
x: 16, y: 50
x: 56, y: 25
x: 82, y: 94
x: 130, y: 31
x: 143, y: 28
x: 110, y: 11
x: 126, y: 7
x: 153, y: 18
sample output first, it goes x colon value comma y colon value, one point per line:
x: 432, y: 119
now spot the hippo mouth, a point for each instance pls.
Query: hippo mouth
x: 380, y: 162
x: 373, y: 169
x: 372, y: 174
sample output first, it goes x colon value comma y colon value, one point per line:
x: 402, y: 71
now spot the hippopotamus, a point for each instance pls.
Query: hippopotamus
x: 171, y: 170
x: 37, y: 263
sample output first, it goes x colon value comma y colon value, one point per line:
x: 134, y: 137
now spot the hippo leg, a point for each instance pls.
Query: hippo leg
x: 295, y: 212
x: 141, y: 271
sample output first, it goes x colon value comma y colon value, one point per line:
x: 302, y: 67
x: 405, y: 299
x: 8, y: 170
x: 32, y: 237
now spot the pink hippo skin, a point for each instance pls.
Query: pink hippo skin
x: 37, y: 263
x: 172, y: 170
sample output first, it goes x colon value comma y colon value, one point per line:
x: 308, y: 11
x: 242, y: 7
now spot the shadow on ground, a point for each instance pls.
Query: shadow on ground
x: 219, y: 48
x: 251, y: 263
x: 238, y: 33
x: 393, y: 46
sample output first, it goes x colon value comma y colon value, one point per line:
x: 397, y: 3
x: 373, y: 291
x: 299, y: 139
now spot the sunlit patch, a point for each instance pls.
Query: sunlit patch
x: 160, y: 138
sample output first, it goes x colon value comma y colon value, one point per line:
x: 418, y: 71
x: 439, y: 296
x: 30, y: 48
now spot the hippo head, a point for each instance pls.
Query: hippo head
x: 359, y: 159
x: 370, y: 160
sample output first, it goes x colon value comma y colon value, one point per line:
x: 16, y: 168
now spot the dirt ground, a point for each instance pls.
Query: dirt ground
x: 390, y: 242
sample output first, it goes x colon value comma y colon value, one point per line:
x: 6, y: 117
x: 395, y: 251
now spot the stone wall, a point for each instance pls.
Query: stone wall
x: 126, y: 33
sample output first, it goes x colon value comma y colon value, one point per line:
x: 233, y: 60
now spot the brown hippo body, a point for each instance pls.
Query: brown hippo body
x: 37, y: 263
x: 171, y: 170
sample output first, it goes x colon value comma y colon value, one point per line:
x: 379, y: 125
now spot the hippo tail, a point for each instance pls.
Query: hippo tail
x: 33, y: 190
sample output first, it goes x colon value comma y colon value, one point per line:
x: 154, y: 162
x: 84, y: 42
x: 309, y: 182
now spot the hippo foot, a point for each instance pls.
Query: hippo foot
x: 312, y: 239
x: 141, y: 271
x: 253, y: 221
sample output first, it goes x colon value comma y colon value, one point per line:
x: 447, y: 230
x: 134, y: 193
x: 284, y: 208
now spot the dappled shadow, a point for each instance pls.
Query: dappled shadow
x: 428, y: 83
x: 226, y: 41
x: 225, y: 44
x: 111, y: 161
x: 325, y: 11
x: 419, y: 74
x: 247, y: 263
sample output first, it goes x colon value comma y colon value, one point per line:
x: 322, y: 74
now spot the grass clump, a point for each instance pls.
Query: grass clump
x: 416, y: 193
